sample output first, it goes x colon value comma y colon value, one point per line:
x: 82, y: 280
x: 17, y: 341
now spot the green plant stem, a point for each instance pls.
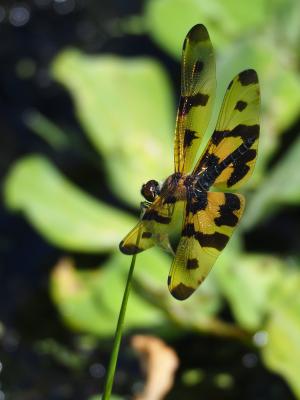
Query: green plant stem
x: 118, y: 335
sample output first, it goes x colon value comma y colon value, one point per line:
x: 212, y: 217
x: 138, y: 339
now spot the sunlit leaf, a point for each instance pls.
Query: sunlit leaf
x: 282, y: 186
x: 90, y: 301
x: 282, y: 351
x: 60, y: 211
x: 248, y: 283
x: 168, y: 21
x: 125, y: 107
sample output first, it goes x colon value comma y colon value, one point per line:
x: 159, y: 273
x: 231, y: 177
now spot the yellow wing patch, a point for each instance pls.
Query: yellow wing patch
x: 198, y: 86
x: 153, y: 229
x: 210, y: 221
x: 232, y: 151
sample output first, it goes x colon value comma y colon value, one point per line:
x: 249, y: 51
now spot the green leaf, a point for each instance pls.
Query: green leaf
x: 125, y: 107
x: 248, y: 282
x: 282, y: 350
x: 60, y: 211
x: 282, y: 186
x: 89, y: 301
x: 112, y: 397
x: 47, y: 130
x: 168, y: 21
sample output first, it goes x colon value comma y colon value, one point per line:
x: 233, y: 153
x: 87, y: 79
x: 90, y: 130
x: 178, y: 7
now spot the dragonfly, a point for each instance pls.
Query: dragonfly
x: 205, y: 187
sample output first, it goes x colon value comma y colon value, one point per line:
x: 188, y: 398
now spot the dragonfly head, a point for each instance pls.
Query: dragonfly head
x: 150, y: 190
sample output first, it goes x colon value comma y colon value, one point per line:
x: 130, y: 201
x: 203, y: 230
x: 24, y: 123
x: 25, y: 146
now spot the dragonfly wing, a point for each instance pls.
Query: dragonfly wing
x: 198, y: 86
x: 152, y: 229
x: 232, y: 150
x: 210, y: 221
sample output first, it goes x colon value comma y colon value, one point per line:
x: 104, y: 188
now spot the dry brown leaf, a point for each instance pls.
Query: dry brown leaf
x: 160, y: 363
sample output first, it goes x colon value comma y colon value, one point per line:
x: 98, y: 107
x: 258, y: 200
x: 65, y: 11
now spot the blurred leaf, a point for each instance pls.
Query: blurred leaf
x: 112, y: 397
x: 282, y: 186
x: 248, y: 283
x: 61, y: 353
x: 125, y: 107
x: 159, y: 362
x: 282, y: 351
x: 287, y: 15
x: 279, y: 80
x: 46, y: 129
x: 168, y: 21
x: 90, y: 301
x: 64, y: 214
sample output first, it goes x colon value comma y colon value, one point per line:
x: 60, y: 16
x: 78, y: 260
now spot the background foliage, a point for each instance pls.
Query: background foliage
x: 126, y: 108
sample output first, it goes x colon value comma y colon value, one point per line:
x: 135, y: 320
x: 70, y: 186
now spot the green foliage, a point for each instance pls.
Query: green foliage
x: 225, y: 21
x: 112, y: 397
x: 125, y: 108
x: 248, y: 282
x: 282, y: 350
x: 88, y: 302
x: 63, y: 213
x: 281, y: 186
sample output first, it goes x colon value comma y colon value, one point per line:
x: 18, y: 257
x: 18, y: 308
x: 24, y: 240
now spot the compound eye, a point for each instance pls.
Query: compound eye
x: 150, y: 190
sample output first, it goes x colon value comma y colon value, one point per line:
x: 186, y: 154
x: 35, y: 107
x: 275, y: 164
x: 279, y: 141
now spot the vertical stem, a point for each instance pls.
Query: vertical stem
x: 118, y: 336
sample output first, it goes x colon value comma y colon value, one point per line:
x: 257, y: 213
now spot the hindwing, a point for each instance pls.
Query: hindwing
x: 208, y: 225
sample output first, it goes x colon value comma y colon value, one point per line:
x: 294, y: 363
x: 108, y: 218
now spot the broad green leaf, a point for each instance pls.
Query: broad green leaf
x: 248, y: 283
x: 89, y: 301
x: 168, y: 21
x: 282, y: 350
x: 282, y: 186
x: 125, y: 107
x: 60, y: 211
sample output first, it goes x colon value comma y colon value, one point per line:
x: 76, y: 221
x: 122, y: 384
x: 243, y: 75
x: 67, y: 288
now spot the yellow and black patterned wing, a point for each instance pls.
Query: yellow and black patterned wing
x: 152, y: 229
x: 198, y: 86
x: 210, y: 221
x: 232, y: 151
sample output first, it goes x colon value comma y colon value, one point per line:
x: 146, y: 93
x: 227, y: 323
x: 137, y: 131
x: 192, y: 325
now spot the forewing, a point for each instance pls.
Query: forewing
x: 232, y: 151
x: 209, y: 223
x: 198, y: 86
x: 152, y: 229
